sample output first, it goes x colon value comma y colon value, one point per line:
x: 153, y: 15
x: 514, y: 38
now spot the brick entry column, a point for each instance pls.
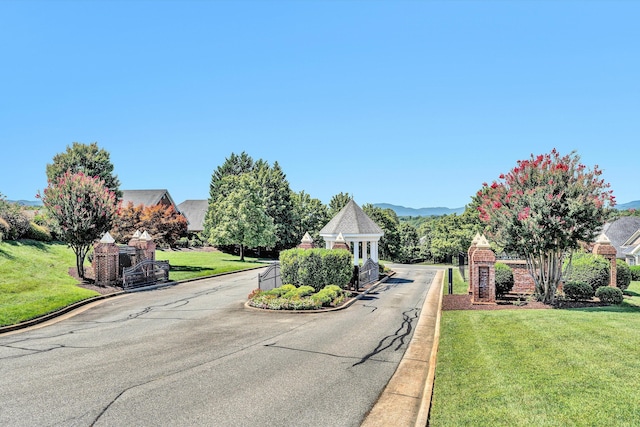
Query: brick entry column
x: 483, y: 278
x: 105, y: 261
x: 604, y: 248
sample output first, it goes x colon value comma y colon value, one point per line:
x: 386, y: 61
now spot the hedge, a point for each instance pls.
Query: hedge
x: 316, y: 267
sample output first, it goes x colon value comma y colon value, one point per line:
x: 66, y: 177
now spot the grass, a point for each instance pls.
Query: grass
x: 194, y: 264
x: 34, y: 277
x: 34, y: 280
x: 539, y: 367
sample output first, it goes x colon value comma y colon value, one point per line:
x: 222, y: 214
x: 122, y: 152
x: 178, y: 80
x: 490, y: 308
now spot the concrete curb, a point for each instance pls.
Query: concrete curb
x: 406, y: 400
x: 100, y: 298
x: 342, y: 307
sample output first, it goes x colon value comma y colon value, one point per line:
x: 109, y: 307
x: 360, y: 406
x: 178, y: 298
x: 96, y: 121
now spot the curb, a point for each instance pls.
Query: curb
x: 406, y: 399
x: 327, y: 310
x: 65, y: 310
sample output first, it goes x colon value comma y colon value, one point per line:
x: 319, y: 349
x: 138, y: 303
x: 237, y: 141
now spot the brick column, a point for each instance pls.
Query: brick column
x: 470, y: 252
x: 483, y: 282
x: 604, y: 248
x: 105, y: 261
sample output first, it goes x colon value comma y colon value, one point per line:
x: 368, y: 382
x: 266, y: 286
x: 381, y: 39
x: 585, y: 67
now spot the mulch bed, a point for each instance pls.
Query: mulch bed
x: 463, y: 302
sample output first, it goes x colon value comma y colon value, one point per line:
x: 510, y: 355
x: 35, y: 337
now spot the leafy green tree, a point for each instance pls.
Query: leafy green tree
x: 542, y: 209
x: 389, y: 245
x: 451, y: 235
x: 235, y: 164
x: 409, y: 242
x: 338, y: 202
x: 310, y: 215
x: 276, y: 196
x: 237, y: 216
x: 89, y: 159
x: 83, y: 208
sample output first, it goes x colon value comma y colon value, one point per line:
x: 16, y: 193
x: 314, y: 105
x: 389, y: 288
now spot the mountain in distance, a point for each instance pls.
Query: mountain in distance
x: 627, y: 206
x: 403, y: 211
x: 26, y: 202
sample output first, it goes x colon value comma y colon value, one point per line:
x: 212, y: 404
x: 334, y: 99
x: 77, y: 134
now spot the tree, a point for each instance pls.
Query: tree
x: 83, y: 208
x: 237, y: 216
x: 276, y: 196
x: 408, y: 242
x: 163, y: 223
x: 387, y: 219
x: 543, y: 208
x: 310, y: 215
x: 338, y: 202
x: 88, y: 159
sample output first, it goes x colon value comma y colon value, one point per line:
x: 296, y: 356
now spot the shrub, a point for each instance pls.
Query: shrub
x: 609, y: 295
x: 504, y: 279
x: 587, y: 268
x: 38, y: 232
x: 623, y: 275
x: 577, y: 290
x: 635, y: 273
x: 4, y: 228
x: 182, y: 242
x: 18, y: 222
x: 315, y: 267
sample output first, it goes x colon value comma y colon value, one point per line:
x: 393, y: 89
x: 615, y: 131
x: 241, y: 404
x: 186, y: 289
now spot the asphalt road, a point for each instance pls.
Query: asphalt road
x: 192, y: 355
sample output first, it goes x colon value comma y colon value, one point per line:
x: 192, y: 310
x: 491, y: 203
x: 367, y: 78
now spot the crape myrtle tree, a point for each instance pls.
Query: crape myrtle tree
x: 237, y: 215
x: 89, y: 159
x: 82, y: 208
x: 542, y: 209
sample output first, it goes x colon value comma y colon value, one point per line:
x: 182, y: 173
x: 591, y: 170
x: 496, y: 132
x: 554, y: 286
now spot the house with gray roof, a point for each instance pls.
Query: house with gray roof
x: 355, y: 227
x: 194, y: 211
x: 147, y: 198
x: 624, y: 234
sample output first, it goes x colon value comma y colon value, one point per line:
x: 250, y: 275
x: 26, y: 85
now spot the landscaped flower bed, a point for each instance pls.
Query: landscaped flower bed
x: 290, y: 297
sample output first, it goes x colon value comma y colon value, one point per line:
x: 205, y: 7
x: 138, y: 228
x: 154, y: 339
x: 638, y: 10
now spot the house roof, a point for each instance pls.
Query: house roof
x: 351, y: 220
x: 194, y: 211
x: 145, y: 197
x: 620, y: 230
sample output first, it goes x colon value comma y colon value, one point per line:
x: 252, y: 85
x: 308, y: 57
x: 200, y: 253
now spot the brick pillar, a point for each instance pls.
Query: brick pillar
x: 470, y: 252
x: 483, y: 278
x: 105, y: 261
x: 604, y: 248
x: 147, y: 246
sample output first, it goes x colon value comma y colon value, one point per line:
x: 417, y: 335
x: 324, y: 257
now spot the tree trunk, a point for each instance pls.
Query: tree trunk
x: 241, y: 252
x: 80, y: 254
x: 546, y: 270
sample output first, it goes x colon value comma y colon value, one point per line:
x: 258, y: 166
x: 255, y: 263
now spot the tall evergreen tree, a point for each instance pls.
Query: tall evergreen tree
x: 338, y: 202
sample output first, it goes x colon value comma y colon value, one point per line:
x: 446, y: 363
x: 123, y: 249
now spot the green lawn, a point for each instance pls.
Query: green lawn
x: 34, y: 277
x: 575, y: 367
x: 193, y: 264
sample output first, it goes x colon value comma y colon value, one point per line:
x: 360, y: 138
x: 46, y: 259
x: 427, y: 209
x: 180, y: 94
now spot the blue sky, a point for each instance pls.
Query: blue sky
x: 415, y: 103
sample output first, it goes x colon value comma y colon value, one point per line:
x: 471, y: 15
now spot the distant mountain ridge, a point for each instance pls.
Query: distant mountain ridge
x: 404, y: 211
x: 26, y: 202
x: 630, y: 205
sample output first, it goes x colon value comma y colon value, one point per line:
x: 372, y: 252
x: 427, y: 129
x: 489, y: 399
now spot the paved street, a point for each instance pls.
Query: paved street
x: 191, y: 354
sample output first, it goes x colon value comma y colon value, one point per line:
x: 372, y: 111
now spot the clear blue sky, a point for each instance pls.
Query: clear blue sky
x: 414, y: 103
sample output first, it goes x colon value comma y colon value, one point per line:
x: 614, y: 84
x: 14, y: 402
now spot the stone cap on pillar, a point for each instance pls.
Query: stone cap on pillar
x: 340, y: 243
x: 107, y: 238
x: 483, y: 243
x: 306, y: 242
x: 145, y: 236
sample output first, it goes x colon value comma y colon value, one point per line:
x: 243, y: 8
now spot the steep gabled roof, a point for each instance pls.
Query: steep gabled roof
x: 620, y: 230
x: 145, y: 197
x: 351, y: 220
x: 194, y: 211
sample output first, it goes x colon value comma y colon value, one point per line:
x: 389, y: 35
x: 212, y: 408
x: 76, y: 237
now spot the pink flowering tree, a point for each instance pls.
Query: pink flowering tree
x: 542, y: 209
x: 82, y: 208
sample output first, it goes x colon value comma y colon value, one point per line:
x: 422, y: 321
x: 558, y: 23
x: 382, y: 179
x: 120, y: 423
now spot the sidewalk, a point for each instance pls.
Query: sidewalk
x: 406, y: 400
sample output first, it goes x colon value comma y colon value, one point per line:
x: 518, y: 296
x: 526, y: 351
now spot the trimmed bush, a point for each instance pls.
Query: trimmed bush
x: 38, y: 232
x: 315, y: 267
x: 587, y: 268
x: 609, y: 295
x: 623, y: 275
x: 577, y: 290
x: 635, y: 273
x: 504, y: 279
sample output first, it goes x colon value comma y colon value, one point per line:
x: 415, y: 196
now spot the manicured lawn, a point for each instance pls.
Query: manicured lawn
x: 539, y: 367
x: 194, y: 264
x: 34, y: 280
x: 34, y: 277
